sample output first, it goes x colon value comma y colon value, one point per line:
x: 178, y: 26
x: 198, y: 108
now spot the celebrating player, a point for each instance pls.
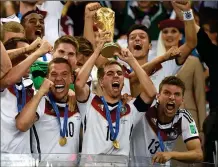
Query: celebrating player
x: 58, y: 129
x: 106, y: 119
x: 165, y: 122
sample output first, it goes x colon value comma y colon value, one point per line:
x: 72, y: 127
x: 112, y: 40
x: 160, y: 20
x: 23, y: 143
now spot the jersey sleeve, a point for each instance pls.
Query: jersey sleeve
x: 189, y: 129
x: 41, y: 108
x: 85, y: 106
x: 138, y: 109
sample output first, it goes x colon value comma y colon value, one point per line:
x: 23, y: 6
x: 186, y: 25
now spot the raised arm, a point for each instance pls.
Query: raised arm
x: 5, y: 62
x: 190, y: 29
x: 150, y: 67
x: 148, y: 88
x: 81, y: 88
x: 90, y: 11
x: 15, y: 74
x: 15, y: 53
x: 28, y: 116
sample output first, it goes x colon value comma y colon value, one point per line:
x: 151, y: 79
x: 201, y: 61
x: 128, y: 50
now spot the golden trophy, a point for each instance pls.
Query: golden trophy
x: 104, y: 20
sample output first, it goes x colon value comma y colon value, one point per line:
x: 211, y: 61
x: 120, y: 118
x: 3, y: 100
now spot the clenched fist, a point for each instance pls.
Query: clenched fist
x: 46, y: 85
x: 34, y: 45
x: 45, y: 47
x: 172, y: 53
x: 91, y: 9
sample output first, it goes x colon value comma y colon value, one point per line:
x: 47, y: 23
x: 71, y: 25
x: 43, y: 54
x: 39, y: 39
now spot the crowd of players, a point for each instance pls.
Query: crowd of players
x: 51, y: 107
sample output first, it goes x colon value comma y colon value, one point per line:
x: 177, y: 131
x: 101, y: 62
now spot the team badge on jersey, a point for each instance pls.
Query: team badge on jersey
x: 123, y: 110
x: 172, y: 135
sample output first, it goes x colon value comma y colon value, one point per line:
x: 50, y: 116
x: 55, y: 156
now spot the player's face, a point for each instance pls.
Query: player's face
x: 138, y: 44
x: 34, y: 26
x: 170, y: 99
x: 112, y: 82
x: 81, y: 60
x: 171, y: 37
x: 67, y: 51
x: 60, y: 74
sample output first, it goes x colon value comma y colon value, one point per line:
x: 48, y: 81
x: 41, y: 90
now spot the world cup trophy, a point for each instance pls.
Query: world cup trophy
x: 104, y: 19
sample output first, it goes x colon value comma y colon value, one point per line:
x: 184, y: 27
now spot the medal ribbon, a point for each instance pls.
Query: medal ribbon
x: 23, y: 96
x: 108, y: 116
x: 54, y: 105
x: 160, y: 141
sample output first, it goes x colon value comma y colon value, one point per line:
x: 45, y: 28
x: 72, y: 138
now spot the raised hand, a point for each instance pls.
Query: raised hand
x: 45, y: 47
x: 91, y: 9
x: 104, y: 36
x: 71, y: 100
x: 34, y: 45
x: 180, y: 7
x: 45, y: 87
x: 172, y: 53
x: 126, y: 55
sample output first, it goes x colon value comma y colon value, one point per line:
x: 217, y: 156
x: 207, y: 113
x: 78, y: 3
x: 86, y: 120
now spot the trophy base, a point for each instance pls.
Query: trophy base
x: 109, y: 49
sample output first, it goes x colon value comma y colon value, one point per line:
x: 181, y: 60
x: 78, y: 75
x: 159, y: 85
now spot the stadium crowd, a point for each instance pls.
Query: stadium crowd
x: 152, y: 101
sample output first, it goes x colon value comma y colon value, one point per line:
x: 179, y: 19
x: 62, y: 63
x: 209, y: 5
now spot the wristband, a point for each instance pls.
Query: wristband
x: 188, y: 15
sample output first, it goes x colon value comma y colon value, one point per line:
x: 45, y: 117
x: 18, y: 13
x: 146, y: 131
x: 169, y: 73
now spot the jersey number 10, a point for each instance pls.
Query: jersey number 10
x: 70, y: 129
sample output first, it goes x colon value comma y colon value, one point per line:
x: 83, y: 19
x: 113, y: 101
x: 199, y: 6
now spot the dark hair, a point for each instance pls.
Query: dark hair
x: 66, y: 39
x: 28, y: 13
x: 100, y: 72
x: 172, y: 80
x: 213, y: 24
x: 85, y: 46
x: 59, y: 60
x: 137, y: 27
x: 12, y: 42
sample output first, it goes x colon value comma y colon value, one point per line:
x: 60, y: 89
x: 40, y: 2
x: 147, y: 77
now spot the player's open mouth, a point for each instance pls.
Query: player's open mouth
x: 115, y: 85
x: 170, y: 106
x: 59, y: 88
x: 38, y: 33
x: 137, y: 47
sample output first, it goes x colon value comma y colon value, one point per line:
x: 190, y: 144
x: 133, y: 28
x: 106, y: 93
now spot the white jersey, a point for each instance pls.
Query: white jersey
x: 13, y: 140
x: 48, y: 130
x: 96, y: 132
x: 145, y: 141
x: 52, y: 19
x: 126, y: 87
x: 166, y: 69
x: 160, y: 72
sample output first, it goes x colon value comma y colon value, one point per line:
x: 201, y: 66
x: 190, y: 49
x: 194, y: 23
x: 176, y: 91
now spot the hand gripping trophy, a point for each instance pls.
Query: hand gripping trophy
x: 104, y: 20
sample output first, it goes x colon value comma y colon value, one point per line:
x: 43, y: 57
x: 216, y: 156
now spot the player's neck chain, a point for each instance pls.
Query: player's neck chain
x: 63, y: 139
x: 23, y: 97
x: 113, y: 133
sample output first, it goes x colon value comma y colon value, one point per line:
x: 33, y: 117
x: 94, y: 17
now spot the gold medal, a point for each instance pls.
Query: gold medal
x: 116, y: 144
x: 62, y: 141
